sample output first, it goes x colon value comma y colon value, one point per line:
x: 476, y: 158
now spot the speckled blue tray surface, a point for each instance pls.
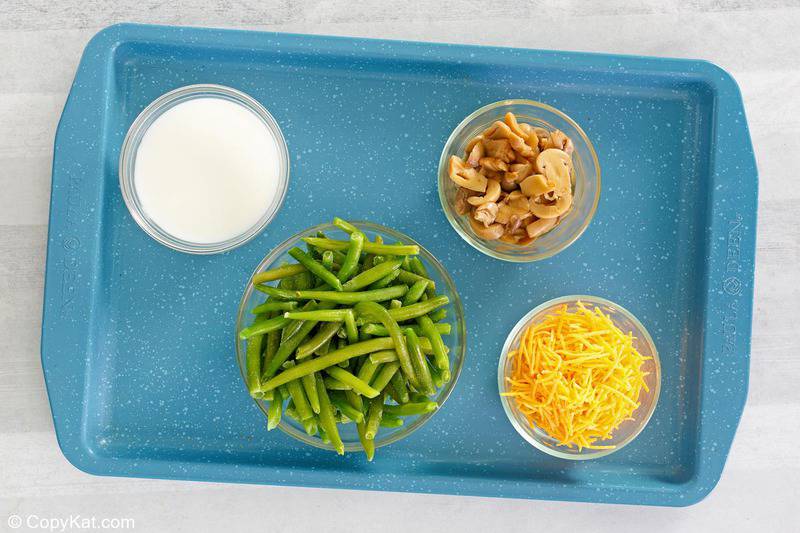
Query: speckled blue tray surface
x: 138, y: 340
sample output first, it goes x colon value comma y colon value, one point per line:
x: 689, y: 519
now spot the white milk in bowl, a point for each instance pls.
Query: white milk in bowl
x: 208, y: 172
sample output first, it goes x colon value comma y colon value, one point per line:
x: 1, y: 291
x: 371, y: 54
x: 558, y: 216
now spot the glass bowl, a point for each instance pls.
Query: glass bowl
x: 629, y: 429
x: 456, y: 341
x: 127, y: 166
x: 586, y: 177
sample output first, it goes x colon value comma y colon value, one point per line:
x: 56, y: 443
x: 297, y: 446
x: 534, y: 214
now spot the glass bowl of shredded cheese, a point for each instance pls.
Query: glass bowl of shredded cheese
x: 579, y: 377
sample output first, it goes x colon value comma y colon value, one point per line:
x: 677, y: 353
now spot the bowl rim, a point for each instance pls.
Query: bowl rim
x: 460, y: 330
x: 477, y: 243
x: 509, y: 408
x: 138, y: 129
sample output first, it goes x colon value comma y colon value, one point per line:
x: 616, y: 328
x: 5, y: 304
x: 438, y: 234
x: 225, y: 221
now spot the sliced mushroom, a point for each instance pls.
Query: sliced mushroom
x: 541, y: 226
x: 499, y: 149
x: 520, y: 160
x: 523, y: 170
x: 485, y: 213
x: 510, y: 239
x: 493, y: 174
x: 536, y: 185
x: 492, y: 194
x: 511, y: 122
x: 515, y: 222
x: 464, y: 176
x: 560, y: 140
x: 462, y: 197
x: 475, y: 155
x: 492, y: 163
x: 544, y: 138
x: 509, y: 182
x: 493, y: 232
x: 544, y: 209
x: 530, y: 137
x: 517, y: 143
x: 504, y: 213
x: 556, y: 165
x: 517, y: 202
x: 471, y: 144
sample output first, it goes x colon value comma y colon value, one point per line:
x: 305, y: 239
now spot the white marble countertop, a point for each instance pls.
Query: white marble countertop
x: 756, y: 40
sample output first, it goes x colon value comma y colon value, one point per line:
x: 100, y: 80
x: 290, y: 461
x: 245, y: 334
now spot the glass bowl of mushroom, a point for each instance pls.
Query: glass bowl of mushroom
x: 519, y: 180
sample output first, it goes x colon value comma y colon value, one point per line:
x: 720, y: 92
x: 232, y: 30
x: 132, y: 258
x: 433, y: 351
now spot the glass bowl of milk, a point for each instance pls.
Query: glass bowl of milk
x: 204, y: 169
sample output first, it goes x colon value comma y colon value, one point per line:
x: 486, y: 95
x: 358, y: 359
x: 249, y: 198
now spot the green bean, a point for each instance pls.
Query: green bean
x: 298, y: 396
x: 273, y: 341
x: 439, y: 353
x: 253, y: 365
x: 390, y: 422
x: 350, y: 265
x: 259, y: 328
x: 368, y: 444
x: 378, y: 295
x: 325, y: 348
x: 418, y: 309
x: 438, y: 315
x: 277, y: 273
x: 349, y: 379
x: 322, y: 435
x: 371, y: 276
x: 274, y: 411
x: 323, y: 336
x: 289, y: 346
x: 370, y: 248
x: 387, y: 356
x: 379, y: 331
x: 286, y: 283
x: 420, y: 363
x: 303, y: 281
x: 327, y: 260
x: 418, y: 397
x: 345, y: 225
x: 316, y: 268
x: 374, y: 416
x: 326, y: 419
x: 409, y: 278
x: 310, y: 426
x: 398, y: 383
x: 350, y: 327
x: 384, y: 376
x: 335, y: 384
x: 395, y: 304
x: 343, y: 405
x: 367, y: 370
x: 323, y: 315
x: 267, y: 307
x: 309, y: 382
x: 294, y: 325
x: 411, y: 409
x: 386, y: 280
x: 415, y: 292
x: 436, y: 375
x: 384, y: 356
x: 374, y: 312
x: 419, y: 269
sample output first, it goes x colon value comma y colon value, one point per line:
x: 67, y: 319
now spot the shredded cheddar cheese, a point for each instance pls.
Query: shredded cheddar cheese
x: 576, y: 376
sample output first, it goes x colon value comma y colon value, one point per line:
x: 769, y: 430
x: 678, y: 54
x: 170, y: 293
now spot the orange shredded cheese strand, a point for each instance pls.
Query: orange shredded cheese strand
x: 576, y: 376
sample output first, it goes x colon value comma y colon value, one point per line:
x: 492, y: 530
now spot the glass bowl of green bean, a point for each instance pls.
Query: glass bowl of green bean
x: 350, y: 336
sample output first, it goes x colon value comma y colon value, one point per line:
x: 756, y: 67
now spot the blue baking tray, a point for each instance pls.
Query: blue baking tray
x: 137, y: 339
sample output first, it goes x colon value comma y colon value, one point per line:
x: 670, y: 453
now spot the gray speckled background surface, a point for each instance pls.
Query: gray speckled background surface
x: 43, y: 43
